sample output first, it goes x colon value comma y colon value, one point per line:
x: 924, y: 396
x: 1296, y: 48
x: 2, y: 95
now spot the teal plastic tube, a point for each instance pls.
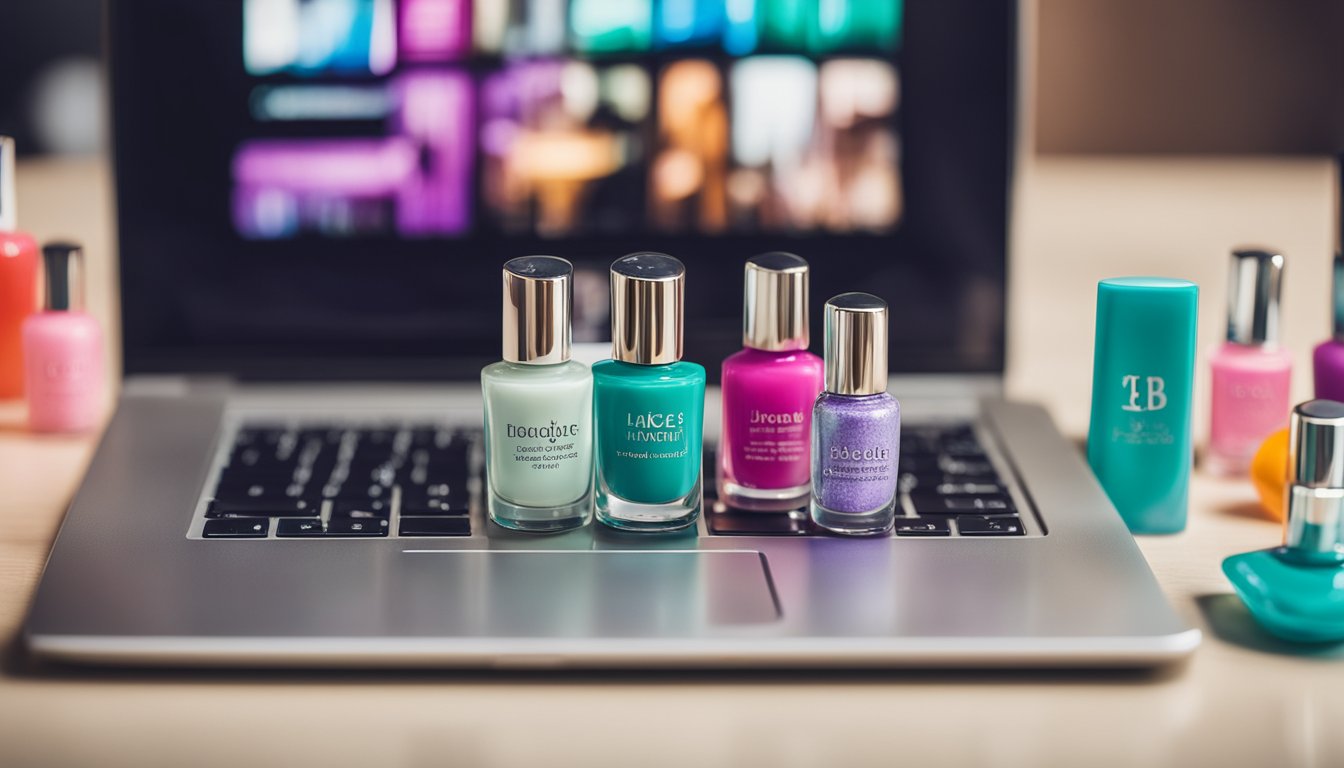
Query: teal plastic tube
x: 1143, y: 366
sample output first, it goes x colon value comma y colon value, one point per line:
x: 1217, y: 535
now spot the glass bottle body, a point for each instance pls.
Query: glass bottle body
x: 538, y: 444
x: 765, y: 448
x: 649, y: 434
x: 855, y: 454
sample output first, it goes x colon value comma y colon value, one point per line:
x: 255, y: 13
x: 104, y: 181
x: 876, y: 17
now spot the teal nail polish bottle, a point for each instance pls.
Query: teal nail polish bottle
x: 1296, y: 591
x: 648, y: 403
x: 1143, y: 367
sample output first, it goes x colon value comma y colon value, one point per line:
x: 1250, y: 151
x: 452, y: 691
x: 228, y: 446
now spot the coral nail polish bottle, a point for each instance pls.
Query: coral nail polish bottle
x: 538, y: 406
x: 63, y: 350
x: 768, y: 391
x: 856, y: 425
x: 1250, y: 372
x: 1296, y: 591
x: 648, y: 403
x: 18, y: 280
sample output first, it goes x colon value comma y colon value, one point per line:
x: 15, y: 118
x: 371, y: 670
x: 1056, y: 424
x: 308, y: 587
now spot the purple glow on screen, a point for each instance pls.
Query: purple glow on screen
x: 416, y: 180
x: 434, y: 30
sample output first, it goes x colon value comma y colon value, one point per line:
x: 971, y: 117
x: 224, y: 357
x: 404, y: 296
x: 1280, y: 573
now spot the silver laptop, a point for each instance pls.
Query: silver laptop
x: 314, y: 201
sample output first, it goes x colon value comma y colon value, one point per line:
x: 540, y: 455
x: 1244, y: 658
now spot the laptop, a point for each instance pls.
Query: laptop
x: 315, y: 198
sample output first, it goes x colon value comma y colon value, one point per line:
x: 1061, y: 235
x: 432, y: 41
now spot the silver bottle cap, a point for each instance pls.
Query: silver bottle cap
x: 1315, y: 520
x: 538, y: 291
x: 774, y: 303
x: 856, y: 344
x: 647, y: 294
x: 1253, y: 289
x: 64, y: 271
x: 8, y: 217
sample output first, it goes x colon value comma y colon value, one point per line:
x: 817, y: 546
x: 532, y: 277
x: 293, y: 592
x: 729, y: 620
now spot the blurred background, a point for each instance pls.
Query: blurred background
x: 1111, y: 76
x: 1154, y: 137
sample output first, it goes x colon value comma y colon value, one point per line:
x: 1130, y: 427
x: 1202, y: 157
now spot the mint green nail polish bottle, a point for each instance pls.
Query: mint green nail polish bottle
x: 1143, y: 367
x: 648, y: 403
x: 538, y: 406
x: 1296, y: 591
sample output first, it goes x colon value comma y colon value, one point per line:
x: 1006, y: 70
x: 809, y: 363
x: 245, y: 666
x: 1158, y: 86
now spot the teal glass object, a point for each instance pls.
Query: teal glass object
x: 1139, y: 438
x: 1292, y: 598
x: 650, y: 426
x: 1296, y: 591
x: 611, y: 26
x: 649, y: 405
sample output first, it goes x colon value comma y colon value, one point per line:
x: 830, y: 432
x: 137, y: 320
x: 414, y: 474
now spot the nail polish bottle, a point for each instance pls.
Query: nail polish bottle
x: 63, y: 350
x: 1328, y: 357
x: 538, y: 406
x: 1143, y: 365
x: 768, y: 390
x: 1327, y: 360
x: 856, y: 425
x: 1250, y: 372
x: 649, y: 403
x: 1296, y: 591
x: 18, y: 280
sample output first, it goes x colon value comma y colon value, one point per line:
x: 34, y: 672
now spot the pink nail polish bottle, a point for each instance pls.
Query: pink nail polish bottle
x: 63, y: 350
x: 769, y: 389
x: 1250, y: 372
x: 18, y: 280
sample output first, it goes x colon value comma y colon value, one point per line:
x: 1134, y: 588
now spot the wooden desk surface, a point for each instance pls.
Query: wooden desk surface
x: 1243, y: 699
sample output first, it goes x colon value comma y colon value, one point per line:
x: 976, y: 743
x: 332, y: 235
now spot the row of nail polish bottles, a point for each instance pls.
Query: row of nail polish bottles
x: 795, y: 427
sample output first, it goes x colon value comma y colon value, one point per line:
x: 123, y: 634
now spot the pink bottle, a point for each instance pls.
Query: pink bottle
x: 1251, y: 373
x: 768, y: 392
x: 63, y: 351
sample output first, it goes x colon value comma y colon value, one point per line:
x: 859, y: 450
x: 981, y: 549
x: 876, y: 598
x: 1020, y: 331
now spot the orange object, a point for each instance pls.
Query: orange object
x: 1269, y: 472
x: 18, y: 280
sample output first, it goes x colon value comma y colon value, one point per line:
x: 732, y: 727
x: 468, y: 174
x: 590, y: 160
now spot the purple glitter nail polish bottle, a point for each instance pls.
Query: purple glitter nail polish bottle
x: 856, y: 425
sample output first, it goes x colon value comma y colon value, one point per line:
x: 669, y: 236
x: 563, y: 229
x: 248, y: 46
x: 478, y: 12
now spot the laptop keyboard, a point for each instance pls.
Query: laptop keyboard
x: 343, y: 482
x: 340, y: 482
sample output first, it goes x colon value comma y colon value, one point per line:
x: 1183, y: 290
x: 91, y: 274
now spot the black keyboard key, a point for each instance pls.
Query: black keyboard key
x: 726, y: 521
x: 435, y: 526
x: 263, y: 508
x: 935, y: 504
x: 955, y: 466
x: 922, y: 527
x: 356, y: 528
x: 438, y: 494
x: 287, y: 529
x: 990, y: 526
x: 237, y: 528
x: 367, y: 509
x: 432, y: 506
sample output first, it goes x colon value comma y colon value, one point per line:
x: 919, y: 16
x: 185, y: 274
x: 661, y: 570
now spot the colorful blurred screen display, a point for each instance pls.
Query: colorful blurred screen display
x: 556, y: 118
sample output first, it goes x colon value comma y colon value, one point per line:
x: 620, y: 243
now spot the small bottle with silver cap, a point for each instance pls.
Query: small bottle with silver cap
x: 768, y: 391
x: 538, y: 406
x: 648, y: 403
x: 856, y: 425
x: 1250, y: 371
x: 63, y: 349
x: 1296, y: 591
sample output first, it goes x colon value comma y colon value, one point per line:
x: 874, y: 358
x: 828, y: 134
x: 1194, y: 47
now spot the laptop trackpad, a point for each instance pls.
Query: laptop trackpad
x: 583, y: 592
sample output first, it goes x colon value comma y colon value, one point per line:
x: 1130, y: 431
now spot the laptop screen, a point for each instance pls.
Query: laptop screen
x: 329, y: 187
